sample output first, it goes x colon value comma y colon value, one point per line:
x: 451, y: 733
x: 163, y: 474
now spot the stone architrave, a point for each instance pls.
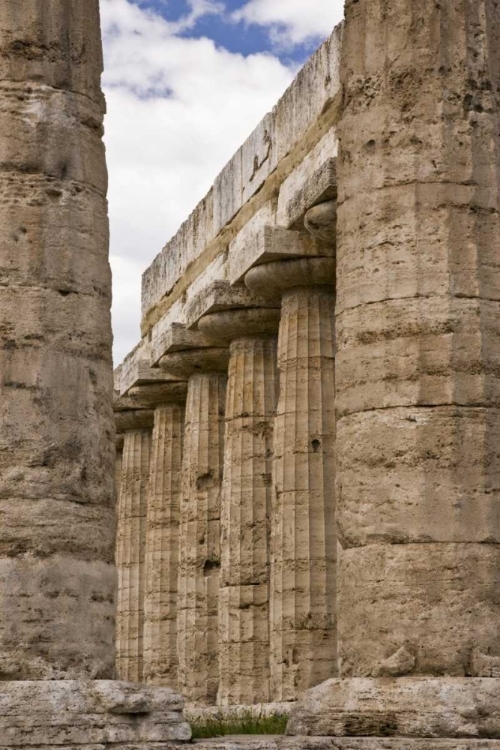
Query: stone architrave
x: 303, y: 539
x: 246, y: 501
x: 199, y: 563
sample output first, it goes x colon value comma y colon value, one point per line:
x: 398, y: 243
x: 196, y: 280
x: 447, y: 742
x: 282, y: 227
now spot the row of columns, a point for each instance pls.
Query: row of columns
x: 226, y: 545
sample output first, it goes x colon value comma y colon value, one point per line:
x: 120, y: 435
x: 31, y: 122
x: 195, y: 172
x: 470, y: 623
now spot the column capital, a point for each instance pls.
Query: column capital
x: 272, y: 279
x: 321, y: 222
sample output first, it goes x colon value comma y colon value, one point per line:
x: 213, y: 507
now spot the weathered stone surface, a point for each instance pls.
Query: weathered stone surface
x: 220, y: 296
x: 343, y: 743
x: 162, y: 547
x: 321, y: 222
x: 131, y: 554
x: 199, y: 566
x: 320, y: 187
x: 56, y: 425
x: 246, y: 522
x: 423, y: 707
x: 270, y: 243
x: 88, y: 715
x: 417, y: 308
x: 277, y: 147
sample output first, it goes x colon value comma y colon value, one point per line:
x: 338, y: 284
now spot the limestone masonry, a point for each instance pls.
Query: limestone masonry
x: 303, y: 505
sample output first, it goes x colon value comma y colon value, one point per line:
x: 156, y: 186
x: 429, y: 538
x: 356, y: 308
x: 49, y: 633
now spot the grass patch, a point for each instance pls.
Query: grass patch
x: 213, y: 726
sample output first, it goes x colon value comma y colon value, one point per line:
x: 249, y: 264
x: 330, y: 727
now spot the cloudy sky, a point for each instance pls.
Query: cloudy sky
x: 186, y: 82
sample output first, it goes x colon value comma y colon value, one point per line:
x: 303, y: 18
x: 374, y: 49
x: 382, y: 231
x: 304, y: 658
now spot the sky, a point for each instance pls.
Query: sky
x: 186, y: 82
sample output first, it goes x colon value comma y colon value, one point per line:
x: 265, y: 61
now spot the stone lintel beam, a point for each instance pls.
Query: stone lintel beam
x: 220, y: 296
x: 320, y: 187
x: 273, y: 243
x: 176, y: 338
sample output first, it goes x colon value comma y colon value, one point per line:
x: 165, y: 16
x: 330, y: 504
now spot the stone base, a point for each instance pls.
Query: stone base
x: 194, y: 712
x: 403, y: 707
x: 343, y: 743
x: 89, y: 716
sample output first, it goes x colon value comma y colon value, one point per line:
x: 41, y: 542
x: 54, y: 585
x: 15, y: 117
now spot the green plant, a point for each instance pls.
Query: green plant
x: 217, y: 726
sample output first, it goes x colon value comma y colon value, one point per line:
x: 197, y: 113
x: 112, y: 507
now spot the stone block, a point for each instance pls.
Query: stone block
x: 177, y: 338
x: 100, y: 714
x: 429, y: 707
x: 319, y: 188
x: 269, y: 244
x: 220, y: 296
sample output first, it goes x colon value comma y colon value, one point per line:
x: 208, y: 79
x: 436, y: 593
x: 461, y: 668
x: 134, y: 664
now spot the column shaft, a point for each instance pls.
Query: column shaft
x: 57, y: 575
x: 418, y: 328
x: 131, y: 553
x: 198, y: 631
x: 245, y: 522
x: 162, y: 548
x: 303, y: 625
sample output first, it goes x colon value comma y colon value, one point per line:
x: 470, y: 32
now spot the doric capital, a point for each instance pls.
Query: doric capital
x: 321, y: 222
x: 272, y: 279
x: 196, y: 361
x: 231, y: 324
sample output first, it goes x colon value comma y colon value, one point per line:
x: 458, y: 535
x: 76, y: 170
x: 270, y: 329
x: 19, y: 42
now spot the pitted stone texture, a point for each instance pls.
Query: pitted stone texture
x: 398, y: 615
x: 423, y: 707
x: 131, y: 554
x: 162, y: 547
x: 118, y: 474
x: 343, y: 743
x: 419, y: 475
x: 418, y: 300
x: 321, y: 222
x: 56, y: 424
x: 272, y: 279
x: 303, y: 543
x: 89, y: 715
x: 246, y: 522
x: 202, y: 466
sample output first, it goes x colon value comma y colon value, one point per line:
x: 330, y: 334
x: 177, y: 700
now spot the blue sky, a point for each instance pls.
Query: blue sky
x: 186, y: 82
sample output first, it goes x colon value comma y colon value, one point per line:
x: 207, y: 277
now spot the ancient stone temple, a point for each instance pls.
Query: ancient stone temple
x: 302, y: 507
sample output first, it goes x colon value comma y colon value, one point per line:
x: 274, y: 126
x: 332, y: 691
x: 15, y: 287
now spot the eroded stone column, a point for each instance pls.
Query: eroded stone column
x: 246, y: 501
x: 199, y: 565
x: 131, y: 543
x: 303, y: 543
x: 118, y: 468
x: 418, y: 339
x: 57, y: 576
x: 162, y: 549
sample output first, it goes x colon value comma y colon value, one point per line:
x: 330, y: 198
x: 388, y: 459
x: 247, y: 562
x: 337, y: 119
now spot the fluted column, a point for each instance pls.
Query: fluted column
x: 131, y: 543
x: 162, y: 548
x: 57, y: 575
x: 199, y: 564
x: 303, y: 542
x: 246, y: 502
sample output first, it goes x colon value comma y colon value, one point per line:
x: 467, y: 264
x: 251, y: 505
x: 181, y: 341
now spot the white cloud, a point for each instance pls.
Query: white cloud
x: 292, y: 22
x: 177, y: 110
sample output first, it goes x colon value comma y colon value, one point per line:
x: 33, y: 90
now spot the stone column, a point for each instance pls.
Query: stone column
x: 418, y: 324
x: 57, y: 575
x: 303, y: 543
x: 419, y: 328
x: 199, y: 565
x: 246, y: 501
x: 131, y: 543
x: 162, y: 548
